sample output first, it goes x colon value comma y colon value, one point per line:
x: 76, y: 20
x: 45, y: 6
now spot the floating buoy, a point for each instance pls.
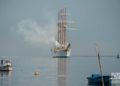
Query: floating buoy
x: 36, y: 73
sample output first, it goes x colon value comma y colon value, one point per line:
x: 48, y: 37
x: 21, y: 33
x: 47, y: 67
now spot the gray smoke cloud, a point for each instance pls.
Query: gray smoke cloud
x: 36, y: 34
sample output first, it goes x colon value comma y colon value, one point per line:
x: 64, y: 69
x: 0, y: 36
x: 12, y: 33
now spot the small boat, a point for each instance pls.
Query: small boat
x: 96, y: 79
x: 5, y: 65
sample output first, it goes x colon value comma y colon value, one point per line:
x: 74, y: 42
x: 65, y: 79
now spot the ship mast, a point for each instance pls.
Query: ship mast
x: 62, y: 25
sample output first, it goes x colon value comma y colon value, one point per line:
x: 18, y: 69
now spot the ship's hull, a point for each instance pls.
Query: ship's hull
x: 62, y: 53
x: 5, y: 68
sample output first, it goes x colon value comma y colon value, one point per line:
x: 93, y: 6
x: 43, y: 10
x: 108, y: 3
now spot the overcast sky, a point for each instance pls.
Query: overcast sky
x: 28, y: 26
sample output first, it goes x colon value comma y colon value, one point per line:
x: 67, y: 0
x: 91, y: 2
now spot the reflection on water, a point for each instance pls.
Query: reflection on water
x: 5, y: 78
x: 62, y: 70
x: 5, y: 73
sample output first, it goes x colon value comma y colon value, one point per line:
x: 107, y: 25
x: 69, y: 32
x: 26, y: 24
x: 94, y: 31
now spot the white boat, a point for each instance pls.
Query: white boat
x: 62, y: 47
x: 5, y: 65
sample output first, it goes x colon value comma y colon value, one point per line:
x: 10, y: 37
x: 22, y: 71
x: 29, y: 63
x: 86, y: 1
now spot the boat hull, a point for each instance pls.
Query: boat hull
x: 62, y: 53
x: 97, y: 80
x: 5, y: 68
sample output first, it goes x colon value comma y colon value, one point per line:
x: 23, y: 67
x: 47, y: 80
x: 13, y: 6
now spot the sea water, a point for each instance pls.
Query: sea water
x: 72, y: 71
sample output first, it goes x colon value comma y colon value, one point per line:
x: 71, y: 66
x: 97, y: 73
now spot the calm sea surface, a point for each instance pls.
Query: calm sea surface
x: 56, y: 71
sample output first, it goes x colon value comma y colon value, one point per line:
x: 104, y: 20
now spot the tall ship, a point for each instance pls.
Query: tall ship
x: 62, y: 47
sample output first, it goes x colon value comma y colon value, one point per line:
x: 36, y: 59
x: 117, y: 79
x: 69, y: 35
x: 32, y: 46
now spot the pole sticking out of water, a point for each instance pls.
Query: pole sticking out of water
x: 118, y: 56
x: 100, y: 65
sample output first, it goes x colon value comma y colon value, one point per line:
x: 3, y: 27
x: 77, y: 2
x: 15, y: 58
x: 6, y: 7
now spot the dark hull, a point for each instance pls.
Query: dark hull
x: 98, y: 80
x: 5, y: 68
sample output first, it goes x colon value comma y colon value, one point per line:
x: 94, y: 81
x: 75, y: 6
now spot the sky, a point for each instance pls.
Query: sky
x: 28, y: 27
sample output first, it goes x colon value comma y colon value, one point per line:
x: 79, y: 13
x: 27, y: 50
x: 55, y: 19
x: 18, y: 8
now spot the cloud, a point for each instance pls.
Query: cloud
x: 36, y: 34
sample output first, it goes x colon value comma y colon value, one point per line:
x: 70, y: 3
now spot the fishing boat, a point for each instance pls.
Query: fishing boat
x: 5, y: 65
x: 97, y: 79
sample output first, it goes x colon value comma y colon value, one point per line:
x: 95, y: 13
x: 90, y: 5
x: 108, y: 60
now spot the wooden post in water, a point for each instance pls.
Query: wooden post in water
x: 100, y: 66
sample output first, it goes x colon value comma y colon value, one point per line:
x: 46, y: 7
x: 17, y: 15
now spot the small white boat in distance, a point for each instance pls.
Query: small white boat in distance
x: 5, y: 65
